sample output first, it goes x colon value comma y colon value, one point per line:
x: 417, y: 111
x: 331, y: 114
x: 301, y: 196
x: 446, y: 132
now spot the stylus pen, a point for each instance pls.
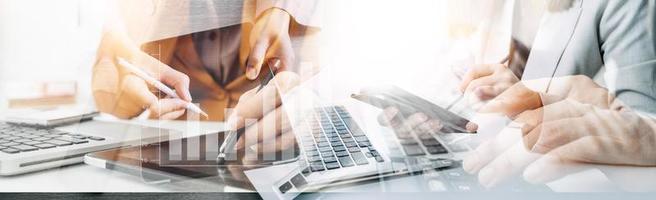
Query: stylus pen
x: 233, y: 136
x: 157, y: 84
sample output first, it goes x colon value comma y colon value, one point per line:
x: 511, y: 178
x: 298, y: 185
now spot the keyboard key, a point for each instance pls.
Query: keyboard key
x: 364, y: 144
x: 325, y: 149
x: 298, y: 181
x: 339, y: 148
x: 345, y: 161
x: 408, y: 142
x: 24, y: 148
x: 436, y: 149
x: 353, y: 149
x: 332, y: 165
x: 314, y: 159
x: 346, y: 140
x: 368, y: 154
x: 317, y: 168
x: 327, y: 154
x: 9, y: 144
x: 22, y: 140
x: 284, y: 188
x: 359, y: 158
x: 30, y: 136
x: 336, y: 144
x: 323, y: 144
x: 44, y: 146
x: 329, y: 159
x: 374, y: 153
x: 73, y: 140
x: 312, y: 153
x: 341, y: 153
x: 430, y: 142
x: 335, y: 139
x: 96, y: 138
x: 351, y: 144
x: 58, y: 132
x: 413, y: 150
x: 41, y: 139
x: 12, y: 138
x: 32, y: 143
x: 379, y: 159
x: 362, y: 139
x: 306, y: 171
x: 59, y: 142
x: 10, y: 150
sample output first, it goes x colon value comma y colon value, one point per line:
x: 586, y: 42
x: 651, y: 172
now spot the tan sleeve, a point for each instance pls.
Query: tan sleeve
x: 304, y: 12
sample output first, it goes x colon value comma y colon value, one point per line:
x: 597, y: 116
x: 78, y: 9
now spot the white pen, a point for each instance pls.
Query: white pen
x: 157, y: 84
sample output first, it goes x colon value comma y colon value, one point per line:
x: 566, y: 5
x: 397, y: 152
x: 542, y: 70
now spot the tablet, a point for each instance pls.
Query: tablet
x: 183, y: 159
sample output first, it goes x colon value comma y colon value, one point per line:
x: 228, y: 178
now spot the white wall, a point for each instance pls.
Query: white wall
x: 48, y: 40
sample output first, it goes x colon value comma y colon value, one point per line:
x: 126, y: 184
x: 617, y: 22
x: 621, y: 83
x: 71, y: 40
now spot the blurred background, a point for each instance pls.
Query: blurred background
x: 47, y: 47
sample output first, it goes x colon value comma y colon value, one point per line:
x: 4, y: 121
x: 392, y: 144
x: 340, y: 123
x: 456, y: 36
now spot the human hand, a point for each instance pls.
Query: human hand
x: 123, y: 94
x: 418, y: 123
x: 487, y: 81
x: 530, y: 95
x: 600, y: 132
x: 263, y: 115
x: 270, y: 39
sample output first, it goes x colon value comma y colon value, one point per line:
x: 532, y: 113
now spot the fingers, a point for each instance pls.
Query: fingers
x: 488, y: 92
x: 550, y: 168
x: 256, y: 58
x: 479, y: 82
x: 509, y: 163
x: 133, y: 97
x: 489, y: 150
x: 254, y: 104
x: 179, y: 81
x: 560, y: 110
x: 474, y: 73
x: 514, y: 101
x: 167, y: 109
x: 412, y: 122
x: 388, y: 117
x: 282, y: 50
x: 553, y: 134
x: 266, y: 129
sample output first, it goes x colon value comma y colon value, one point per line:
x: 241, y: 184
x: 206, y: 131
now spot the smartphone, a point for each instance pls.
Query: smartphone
x: 409, y: 104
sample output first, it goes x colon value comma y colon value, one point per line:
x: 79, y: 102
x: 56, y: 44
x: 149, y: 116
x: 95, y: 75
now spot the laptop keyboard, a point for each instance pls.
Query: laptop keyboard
x: 16, y: 139
x: 419, y: 143
x: 335, y: 141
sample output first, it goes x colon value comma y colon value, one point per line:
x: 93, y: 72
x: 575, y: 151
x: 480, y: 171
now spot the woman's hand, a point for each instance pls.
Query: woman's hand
x: 123, y: 94
x: 269, y: 42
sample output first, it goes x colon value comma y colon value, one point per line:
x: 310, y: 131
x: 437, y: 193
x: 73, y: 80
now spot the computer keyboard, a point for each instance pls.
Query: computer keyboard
x: 16, y: 138
x: 335, y: 141
x: 417, y: 143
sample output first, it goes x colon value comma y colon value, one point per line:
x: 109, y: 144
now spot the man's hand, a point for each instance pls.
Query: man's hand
x: 530, y: 95
x: 576, y: 124
x: 263, y: 115
x: 270, y: 39
x: 487, y: 81
x: 120, y: 93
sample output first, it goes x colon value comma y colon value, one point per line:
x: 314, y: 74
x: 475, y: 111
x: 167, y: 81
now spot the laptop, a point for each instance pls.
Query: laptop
x: 340, y: 141
x: 26, y: 148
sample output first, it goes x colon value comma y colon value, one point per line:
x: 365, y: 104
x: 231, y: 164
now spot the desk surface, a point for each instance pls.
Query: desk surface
x: 85, y: 178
